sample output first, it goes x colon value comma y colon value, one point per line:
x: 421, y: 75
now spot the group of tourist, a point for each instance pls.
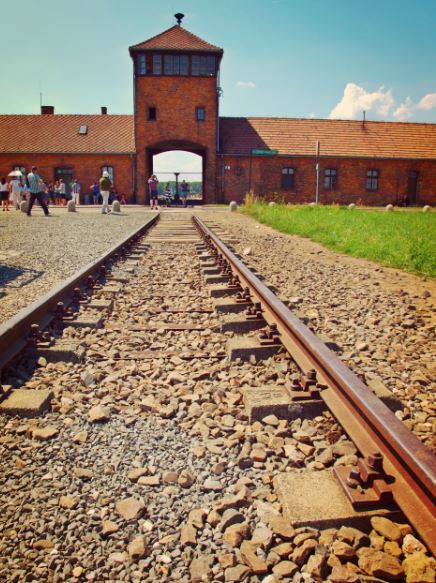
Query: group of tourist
x: 168, y: 197
x: 32, y: 187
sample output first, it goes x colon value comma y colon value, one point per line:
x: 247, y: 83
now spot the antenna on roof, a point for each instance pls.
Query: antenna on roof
x: 179, y: 17
x: 363, y: 120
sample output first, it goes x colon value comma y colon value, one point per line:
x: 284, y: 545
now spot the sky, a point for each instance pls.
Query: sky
x: 282, y: 58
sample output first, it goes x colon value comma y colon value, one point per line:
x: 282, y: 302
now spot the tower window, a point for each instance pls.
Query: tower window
x: 200, y: 113
x: 141, y: 65
x: 152, y: 114
x: 176, y: 65
x: 330, y: 178
x: 203, y: 65
x: 372, y: 180
x: 157, y: 65
x: 288, y: 177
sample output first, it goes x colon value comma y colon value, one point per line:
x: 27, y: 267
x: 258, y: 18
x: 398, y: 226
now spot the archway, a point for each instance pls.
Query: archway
x: 183, y: 171
x: 176, y: 161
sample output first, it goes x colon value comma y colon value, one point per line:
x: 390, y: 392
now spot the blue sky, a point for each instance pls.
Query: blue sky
x: 292, y: 58
x: 282, y: 58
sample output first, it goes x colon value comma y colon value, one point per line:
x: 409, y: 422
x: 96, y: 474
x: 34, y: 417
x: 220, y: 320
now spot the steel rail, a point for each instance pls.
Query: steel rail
x: 14, y: 332
x: 366, y: 419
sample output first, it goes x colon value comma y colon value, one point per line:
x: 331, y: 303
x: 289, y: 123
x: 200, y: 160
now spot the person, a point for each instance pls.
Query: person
x: 105, y: 187
x: 4, y: 194
x: 168, y: 194
x: 15, y: 188
x: 75, y: 189
x: 152, y: 187
x: 35, y: 192
x: 51, y: 193
x: 123, y: 199
x: 63, y: 190
x: 58, y: 195
x: 95, y: 192
x: 185, y: 190
x: 25, y: 191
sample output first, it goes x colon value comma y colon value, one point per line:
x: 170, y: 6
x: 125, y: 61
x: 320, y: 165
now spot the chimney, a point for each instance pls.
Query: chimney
x: 47, y: 109
x: 104, y: 111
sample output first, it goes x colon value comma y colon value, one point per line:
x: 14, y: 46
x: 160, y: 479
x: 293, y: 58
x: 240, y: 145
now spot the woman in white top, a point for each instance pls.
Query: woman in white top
x: 15, y: 186
x: 4, y: 194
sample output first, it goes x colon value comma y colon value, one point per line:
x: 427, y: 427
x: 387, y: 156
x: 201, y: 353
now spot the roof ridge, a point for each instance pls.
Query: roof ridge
x: 175, y: 33
x: 326, y: 119
x: 155, y: 36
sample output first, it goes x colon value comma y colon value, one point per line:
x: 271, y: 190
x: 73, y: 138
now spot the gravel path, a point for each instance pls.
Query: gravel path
x: 149, y: 470
x: 38, y: 252
x: 383, y: 320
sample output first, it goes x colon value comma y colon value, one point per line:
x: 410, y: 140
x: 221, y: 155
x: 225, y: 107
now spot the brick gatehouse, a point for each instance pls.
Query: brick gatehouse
x: 176, y: 107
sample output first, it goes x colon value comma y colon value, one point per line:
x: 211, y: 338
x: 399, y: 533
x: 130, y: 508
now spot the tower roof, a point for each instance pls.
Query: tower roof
x: 176, y: 38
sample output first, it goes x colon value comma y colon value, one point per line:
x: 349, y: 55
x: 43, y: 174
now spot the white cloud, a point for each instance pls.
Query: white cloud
x: 246, y: 84
x: 405, y: 110
x: 428, y: 101
x: 311, y: 115
x: 356, y: 99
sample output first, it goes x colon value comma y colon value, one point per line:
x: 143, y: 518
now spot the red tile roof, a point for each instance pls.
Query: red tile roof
x: 177, y: 38
x: 60, y: 133
x: 298, y: 137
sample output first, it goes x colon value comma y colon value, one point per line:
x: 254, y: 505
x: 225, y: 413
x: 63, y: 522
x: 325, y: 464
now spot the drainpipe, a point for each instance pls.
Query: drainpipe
x: 222, y: 177
x: 133, y: 160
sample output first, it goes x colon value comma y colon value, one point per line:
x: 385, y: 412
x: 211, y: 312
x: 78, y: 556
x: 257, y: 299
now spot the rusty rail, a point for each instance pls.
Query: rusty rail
x: 408, y: 464
x: 14, y: 332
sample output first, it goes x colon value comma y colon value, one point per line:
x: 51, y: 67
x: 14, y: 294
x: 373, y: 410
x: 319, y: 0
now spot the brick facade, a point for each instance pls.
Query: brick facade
x: 263, y: 175
x: 175, y: 127
x: 86, y: 167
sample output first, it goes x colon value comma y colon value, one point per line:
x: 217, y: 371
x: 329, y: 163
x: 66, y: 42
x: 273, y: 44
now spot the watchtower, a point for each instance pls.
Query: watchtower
x: 176, y: 94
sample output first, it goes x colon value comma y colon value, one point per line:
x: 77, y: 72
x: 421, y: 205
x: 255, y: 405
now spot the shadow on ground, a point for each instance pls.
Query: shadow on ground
x: 17, y: 277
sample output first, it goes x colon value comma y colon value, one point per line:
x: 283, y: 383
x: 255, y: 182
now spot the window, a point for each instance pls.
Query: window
x: 176, y: 65
x: 200, y: 113
x: 372, y: 180
x: 288, y: 177
x: 239, y: 171
x: 203, y: 65
x: 152, y: 114
x: 157, y: 65
x: 110, y: 171
x: 83, y: 130
x: 184, y: 65
x: 330, y: 178
x: 141, y: 65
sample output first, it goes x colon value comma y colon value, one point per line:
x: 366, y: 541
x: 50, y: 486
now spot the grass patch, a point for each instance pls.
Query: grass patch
x: 405, y: 240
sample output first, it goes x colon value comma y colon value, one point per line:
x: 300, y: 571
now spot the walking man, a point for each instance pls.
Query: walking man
x: 36, y: 192
x: 75, y: 189
x: 105, y: 187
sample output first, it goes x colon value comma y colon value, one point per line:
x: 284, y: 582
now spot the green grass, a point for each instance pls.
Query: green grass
x: 405, y: 240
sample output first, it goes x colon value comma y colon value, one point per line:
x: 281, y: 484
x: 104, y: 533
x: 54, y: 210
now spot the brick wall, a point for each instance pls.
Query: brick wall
x: 175, y: 100
x: 263, y: 175
x: 86, y: 167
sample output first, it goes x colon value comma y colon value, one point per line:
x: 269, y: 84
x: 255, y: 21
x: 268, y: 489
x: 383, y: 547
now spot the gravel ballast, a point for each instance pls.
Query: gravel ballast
x: 381, y: 319
x: 38, y: 252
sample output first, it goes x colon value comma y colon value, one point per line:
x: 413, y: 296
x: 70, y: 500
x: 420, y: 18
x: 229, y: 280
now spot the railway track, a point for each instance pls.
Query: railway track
x: 202, y: 397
